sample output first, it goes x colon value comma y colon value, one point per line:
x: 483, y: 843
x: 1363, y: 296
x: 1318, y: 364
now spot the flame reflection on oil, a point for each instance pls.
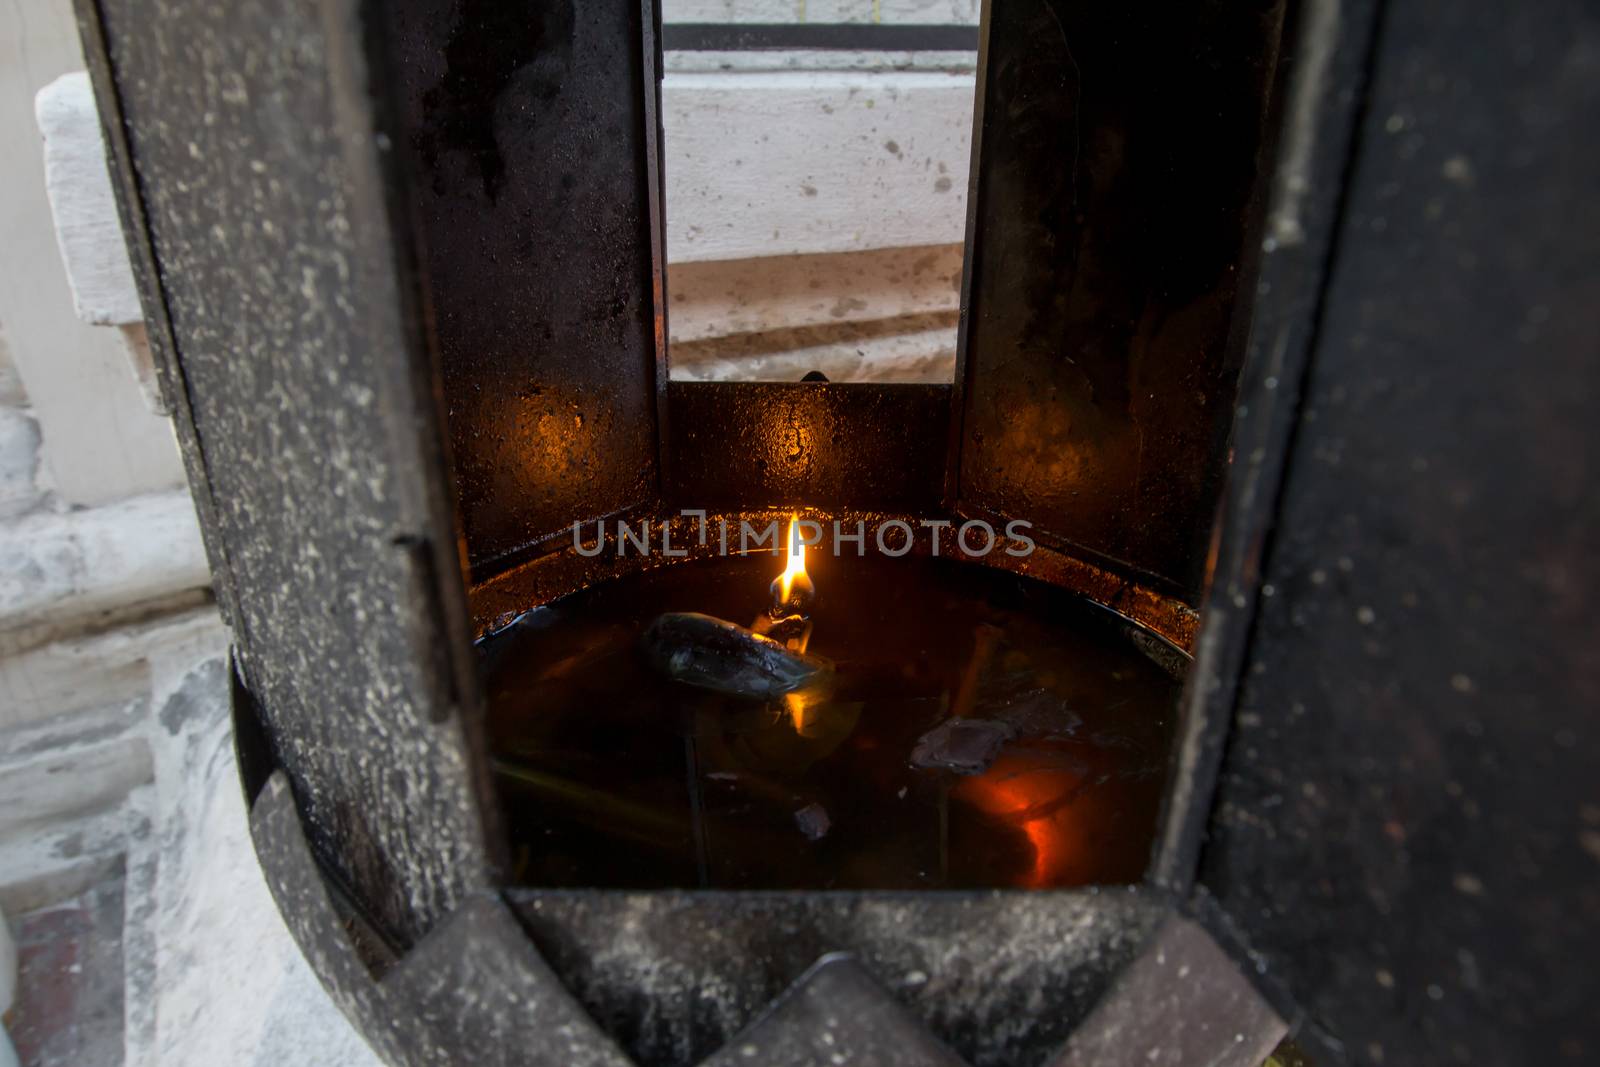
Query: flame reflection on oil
x: 802, y: 712
x: 1038, y: 798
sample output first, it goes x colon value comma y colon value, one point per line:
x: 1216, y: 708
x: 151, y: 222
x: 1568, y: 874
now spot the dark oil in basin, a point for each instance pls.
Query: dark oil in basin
x: 979, y: 729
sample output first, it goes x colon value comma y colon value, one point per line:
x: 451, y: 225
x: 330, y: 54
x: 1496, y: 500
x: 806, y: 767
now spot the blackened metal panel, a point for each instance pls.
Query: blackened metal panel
x: 1408, y: 827
x: 817, y: 444
x: 529, y: 133
x: 1116, y: 190
x: 1327, y: 72
x: 248, y: 149
x: 1001, y: 977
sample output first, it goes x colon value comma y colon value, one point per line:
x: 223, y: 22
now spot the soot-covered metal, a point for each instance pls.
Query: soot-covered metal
x: 834, y: 446
x: 1114, y: 192
x: 525, y: 137
x: 403, y: 269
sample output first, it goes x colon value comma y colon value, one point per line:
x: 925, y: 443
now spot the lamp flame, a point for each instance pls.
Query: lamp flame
x: 797, y: 560
x: 788, y: 616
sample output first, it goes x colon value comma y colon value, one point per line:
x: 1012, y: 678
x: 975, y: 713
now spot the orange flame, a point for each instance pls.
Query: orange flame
x: 797, y: 558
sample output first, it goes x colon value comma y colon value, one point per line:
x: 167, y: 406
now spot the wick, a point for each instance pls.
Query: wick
x: 792, y: 597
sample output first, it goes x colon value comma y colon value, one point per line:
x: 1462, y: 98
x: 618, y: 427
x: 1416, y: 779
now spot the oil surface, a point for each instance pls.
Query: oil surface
x: 612, y: 775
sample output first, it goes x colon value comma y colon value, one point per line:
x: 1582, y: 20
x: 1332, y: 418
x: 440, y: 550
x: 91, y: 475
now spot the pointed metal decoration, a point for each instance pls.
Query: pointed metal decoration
x: 836, y: 1013
x: 1181, y: 1003
x: 694, y: 969
x: 479, y: 983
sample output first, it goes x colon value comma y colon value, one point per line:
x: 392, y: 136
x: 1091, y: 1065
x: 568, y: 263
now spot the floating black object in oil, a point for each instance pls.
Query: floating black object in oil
x: 977, y: 729
x: 715, y: 654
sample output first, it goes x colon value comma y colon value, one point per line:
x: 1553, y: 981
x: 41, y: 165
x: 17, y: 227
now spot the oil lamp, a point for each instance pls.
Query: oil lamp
x: 461, y: 738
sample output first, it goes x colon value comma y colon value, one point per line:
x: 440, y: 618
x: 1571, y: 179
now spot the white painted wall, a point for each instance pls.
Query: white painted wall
x: 101, y: 442
x: 794, y: 198
x: 927, y: 12
x: 88, y: 231
x: 807, y: 162
x: 815, y: 209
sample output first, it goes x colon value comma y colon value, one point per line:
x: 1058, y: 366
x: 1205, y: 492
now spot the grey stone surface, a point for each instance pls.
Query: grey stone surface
x: 100, y: 442
x: 63, y: 570
x: 213, y: 975
x: 19, y: 462
x: 84, y: 683
x: 53, y: 786
x: 69, y: 1004
x: 84, y: 210
x: 77, y: 757
x: 8, y: 965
